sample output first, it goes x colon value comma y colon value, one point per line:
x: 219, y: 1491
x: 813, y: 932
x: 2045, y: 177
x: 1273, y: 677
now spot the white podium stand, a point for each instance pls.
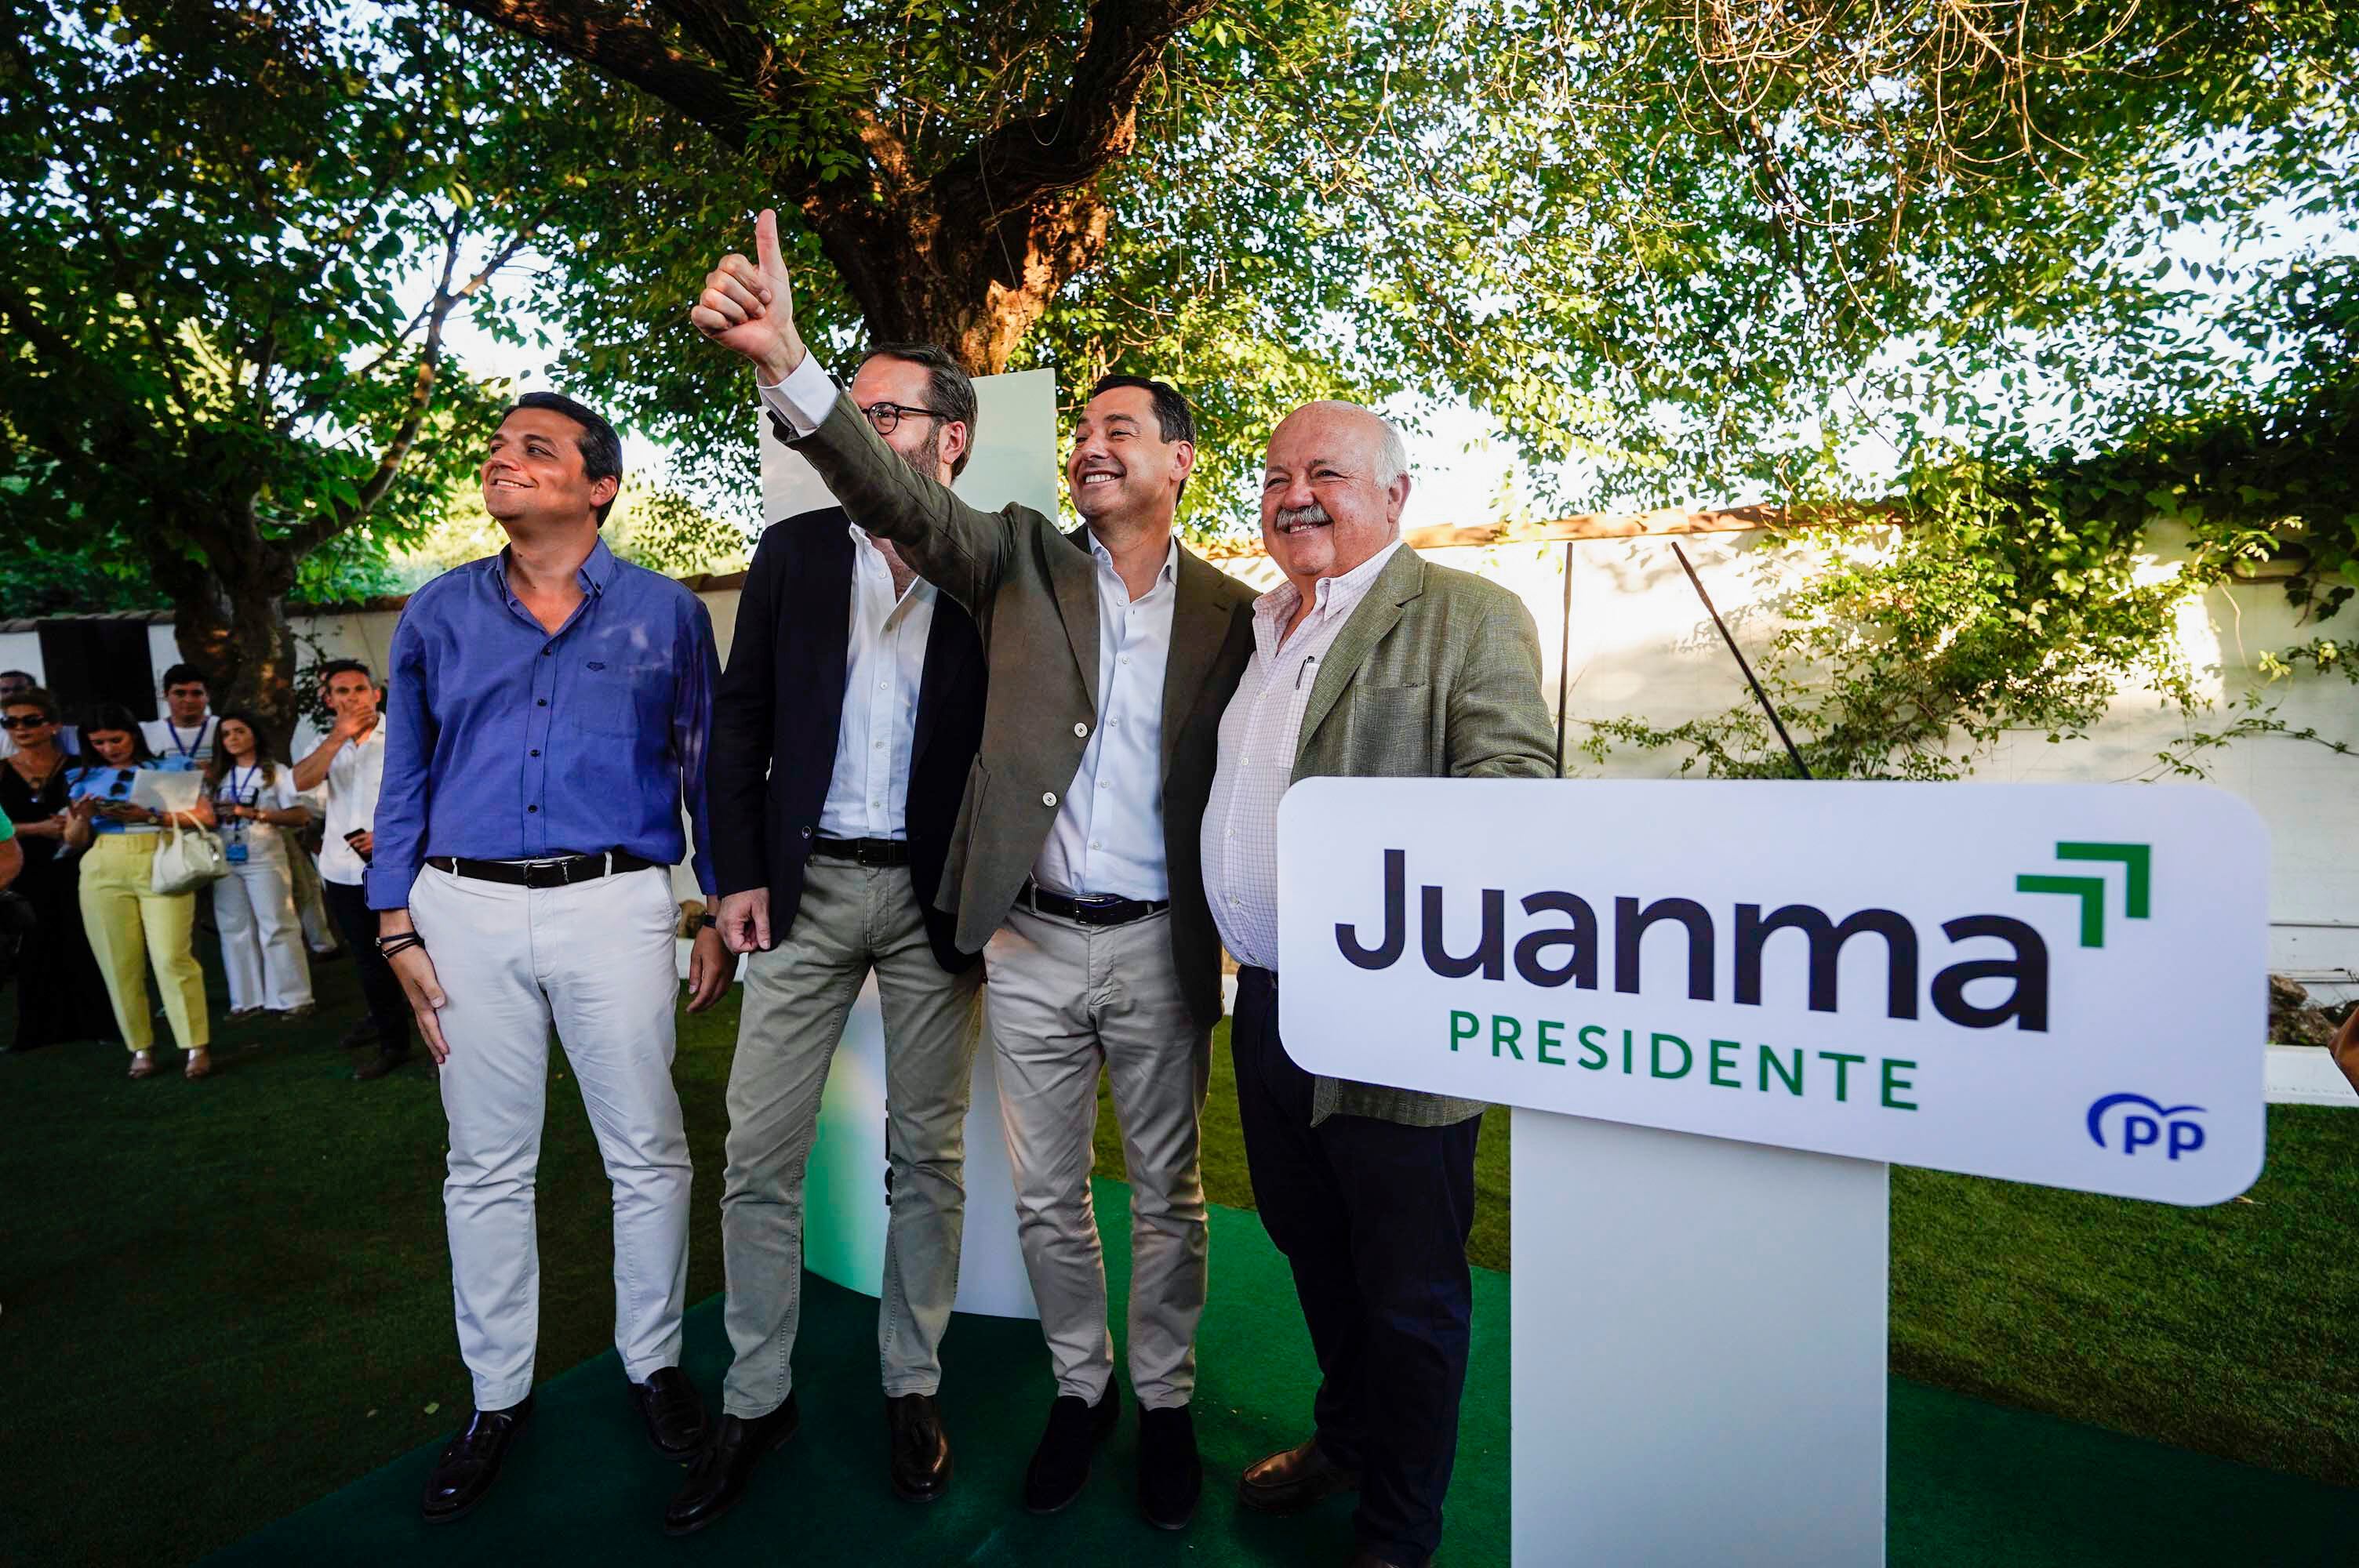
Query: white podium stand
x: 1720, y: 1009
x: 1699, y: 1350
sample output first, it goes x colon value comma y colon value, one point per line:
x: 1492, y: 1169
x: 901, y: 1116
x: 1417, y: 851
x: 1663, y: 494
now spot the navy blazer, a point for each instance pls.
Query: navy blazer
x: 780, y: 701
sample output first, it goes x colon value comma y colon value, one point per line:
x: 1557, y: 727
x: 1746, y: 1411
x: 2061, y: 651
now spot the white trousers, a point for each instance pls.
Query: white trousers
x: 596, y: 960
x: 261, y: 938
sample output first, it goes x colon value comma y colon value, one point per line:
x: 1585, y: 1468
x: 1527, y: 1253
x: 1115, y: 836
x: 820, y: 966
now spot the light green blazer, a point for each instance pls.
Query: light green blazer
x: 1437, y: 674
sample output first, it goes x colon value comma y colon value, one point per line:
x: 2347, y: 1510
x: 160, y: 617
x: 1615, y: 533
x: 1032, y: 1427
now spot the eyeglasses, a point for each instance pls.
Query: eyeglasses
x: 887, y: 416
x: 26, y: 722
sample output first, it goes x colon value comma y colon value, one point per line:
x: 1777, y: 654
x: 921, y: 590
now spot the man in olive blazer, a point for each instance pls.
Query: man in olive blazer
x: 1074, y: 863
x: 1369, y: 663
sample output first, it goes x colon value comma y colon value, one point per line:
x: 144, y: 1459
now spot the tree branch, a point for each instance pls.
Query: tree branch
x: 1096, y: 124
x: 335, y: 520
x: 628, y: 47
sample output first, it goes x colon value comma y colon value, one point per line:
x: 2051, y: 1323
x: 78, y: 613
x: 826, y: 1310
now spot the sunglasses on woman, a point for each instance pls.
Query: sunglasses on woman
x: 25, y: 721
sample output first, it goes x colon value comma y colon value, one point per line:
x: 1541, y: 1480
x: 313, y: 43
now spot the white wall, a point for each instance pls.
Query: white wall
x: 1641, y: 647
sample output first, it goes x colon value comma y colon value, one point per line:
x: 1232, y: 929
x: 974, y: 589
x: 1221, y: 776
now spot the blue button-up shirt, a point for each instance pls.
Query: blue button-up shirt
x: 506, y: 742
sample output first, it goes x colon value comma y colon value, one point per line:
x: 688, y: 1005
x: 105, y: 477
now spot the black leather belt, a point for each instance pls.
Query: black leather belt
x: 542, y: 873
x: 862, y: 852
x: 1104, y: 910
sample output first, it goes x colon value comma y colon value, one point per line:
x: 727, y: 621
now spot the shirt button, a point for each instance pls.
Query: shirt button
x: 1081, y: 729
x: 536, y: 751
x: 1096, y: 845
x: 877, y: 745
x: 1230, y: 833
x: 546, y: 652
x: 544, y: 702
x: 532, y: 808
x: 1049, y: 797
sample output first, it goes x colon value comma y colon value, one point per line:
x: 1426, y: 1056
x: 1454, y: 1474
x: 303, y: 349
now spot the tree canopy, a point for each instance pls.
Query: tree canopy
x: 232, y: 242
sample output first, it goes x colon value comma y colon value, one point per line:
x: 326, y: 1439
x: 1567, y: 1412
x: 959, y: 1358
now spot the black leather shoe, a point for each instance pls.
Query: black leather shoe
x: 675, y: 1416
x: 717, y: 1475
x: 379, y: 1065
x: 1290, y: 1482
x: 920, y: 1448
x: 1061, y: 1464
x: 471, y: 1461
x: 362, y: 1032
x: 1170, y: 1474
x: 1364, y: 1558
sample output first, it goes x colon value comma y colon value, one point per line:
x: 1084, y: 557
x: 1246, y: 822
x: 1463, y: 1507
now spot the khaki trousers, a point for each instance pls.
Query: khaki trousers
x: 596, y: 960
x: 852, y: 919
x: 1065, y: 998
x: 131, y: 929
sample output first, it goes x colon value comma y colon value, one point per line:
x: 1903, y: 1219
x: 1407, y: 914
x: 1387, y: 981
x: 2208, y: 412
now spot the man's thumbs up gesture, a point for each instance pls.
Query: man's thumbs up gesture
x: 748, y: 306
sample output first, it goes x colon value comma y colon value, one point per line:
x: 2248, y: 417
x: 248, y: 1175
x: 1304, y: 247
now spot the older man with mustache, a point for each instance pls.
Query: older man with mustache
x: 1368, y: 662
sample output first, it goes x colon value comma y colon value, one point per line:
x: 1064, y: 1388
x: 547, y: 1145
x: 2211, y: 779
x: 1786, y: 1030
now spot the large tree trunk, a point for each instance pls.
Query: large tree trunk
x: 967, y: 254
x: 230, y: 621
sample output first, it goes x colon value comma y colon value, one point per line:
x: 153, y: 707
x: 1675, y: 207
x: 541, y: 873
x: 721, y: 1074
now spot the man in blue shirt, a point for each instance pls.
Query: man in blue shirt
x: 548, y: 713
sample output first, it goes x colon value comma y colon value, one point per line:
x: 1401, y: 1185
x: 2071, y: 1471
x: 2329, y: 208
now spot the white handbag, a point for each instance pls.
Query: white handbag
x: 193, y: 858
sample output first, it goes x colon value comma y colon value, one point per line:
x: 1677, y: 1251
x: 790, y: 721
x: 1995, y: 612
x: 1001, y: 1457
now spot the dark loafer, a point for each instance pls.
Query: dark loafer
x: 1290, y: 1482
x: 1170, y: 1474
x: 920, y: 1448
x: 379, y: 1065
x: 1061, y: 1463
x: 675, y: 1416
x: 717, y: 1475
x: 470, y: 1462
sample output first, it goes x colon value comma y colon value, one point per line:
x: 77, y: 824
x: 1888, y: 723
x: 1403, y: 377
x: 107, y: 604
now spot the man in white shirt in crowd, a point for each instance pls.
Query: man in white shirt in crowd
x: 188, y: 728
x: 351, y: 762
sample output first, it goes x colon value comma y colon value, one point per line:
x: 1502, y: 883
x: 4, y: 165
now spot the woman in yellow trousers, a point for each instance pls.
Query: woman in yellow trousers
x: 131, y: 927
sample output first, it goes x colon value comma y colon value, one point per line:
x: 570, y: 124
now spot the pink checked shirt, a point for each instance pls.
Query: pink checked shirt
x: 1260, y: 733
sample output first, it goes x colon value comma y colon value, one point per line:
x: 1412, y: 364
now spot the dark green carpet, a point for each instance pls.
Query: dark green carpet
x: 1971, y: 1484
x: 585, y: 1487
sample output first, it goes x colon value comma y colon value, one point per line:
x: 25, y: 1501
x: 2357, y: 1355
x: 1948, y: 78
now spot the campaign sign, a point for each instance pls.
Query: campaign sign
x: 2061, y: 984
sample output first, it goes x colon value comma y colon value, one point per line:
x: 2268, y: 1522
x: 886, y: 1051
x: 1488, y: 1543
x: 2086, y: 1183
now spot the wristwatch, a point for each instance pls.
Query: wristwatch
x: 707, y: 923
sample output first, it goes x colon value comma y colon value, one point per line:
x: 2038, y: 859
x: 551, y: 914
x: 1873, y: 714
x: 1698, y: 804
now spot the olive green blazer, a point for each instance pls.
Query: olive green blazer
x: 1437, y: 674
x: 1032, y: 590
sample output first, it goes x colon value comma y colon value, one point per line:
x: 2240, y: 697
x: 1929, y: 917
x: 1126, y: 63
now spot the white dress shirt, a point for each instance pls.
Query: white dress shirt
x: 883, y: 661
x: 166, y: 739
x: 354, y: 776
x: 1108, y: 836
x: 1260, y: 732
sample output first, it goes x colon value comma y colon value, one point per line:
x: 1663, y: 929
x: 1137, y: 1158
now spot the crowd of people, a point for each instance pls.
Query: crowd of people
x: 99, y: 925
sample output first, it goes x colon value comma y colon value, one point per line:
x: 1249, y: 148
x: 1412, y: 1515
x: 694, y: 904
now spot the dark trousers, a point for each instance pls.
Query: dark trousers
x: 1373, y: 1217
x: 388, y: 1004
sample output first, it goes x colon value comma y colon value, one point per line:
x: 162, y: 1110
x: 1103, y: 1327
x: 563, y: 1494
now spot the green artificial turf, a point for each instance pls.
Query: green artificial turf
x: 221, y: 1301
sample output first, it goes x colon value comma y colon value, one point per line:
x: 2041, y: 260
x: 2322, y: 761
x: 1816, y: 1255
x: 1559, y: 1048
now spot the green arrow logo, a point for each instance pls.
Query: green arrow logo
x: 2138, y: 863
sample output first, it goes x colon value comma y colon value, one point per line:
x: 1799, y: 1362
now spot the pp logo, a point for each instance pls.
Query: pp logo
x: 2145, y: 1124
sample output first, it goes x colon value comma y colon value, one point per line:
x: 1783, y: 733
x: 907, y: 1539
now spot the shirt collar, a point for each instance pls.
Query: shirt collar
x: 1171, y: 572
x: 596, y: 573
x: 1347, y: 587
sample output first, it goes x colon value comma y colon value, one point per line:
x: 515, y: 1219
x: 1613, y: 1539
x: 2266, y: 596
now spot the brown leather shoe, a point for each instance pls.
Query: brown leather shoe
x: 1290, y: 1482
